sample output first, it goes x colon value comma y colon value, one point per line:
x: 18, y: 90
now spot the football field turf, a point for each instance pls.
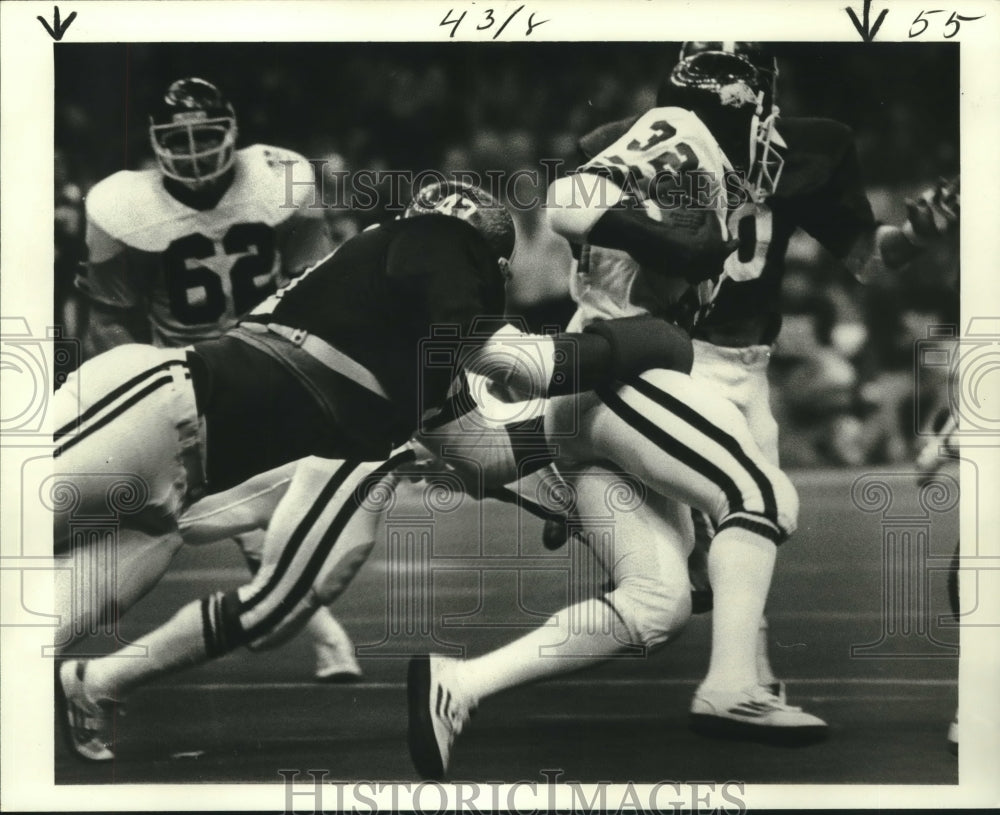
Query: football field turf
x: 840, y: 582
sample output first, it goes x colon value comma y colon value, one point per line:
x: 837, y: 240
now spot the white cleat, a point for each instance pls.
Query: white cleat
x: 953, y: 735
x: 754, y: 713
x: 86, y: 725
x: 437, y: 713
x: 777, y: 687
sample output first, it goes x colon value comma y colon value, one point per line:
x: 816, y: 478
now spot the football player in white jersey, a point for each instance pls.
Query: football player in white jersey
x: 707, y: 163
x: 180, y: 252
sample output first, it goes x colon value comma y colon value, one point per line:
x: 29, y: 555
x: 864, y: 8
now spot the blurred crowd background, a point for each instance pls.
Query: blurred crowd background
x: 845, y: 387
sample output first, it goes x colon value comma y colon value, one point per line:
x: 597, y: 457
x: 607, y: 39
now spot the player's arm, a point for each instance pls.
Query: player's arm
x: 529, y: 365
x: 588, y: 207
x: 303, y: 240
x: 117, y: 313
x: 840, y: 217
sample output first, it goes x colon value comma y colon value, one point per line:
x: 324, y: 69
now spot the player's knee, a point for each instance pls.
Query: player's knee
x: 653, y: 612
x: 787, y: 499
x: 770, y: 509
x: 287, y: 627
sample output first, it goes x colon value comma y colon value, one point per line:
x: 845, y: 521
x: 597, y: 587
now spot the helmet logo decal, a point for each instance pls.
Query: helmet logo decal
x: 458, y: 205
x: 737, y: 94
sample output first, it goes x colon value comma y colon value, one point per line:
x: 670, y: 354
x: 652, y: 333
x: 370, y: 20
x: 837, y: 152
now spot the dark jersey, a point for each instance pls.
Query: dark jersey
x: 820, y: 191
x: 387, y: 292
x: 382, y: 299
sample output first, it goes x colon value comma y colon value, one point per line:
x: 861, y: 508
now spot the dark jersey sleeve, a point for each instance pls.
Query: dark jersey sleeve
x: 603, y: 136
x: 832, y: 205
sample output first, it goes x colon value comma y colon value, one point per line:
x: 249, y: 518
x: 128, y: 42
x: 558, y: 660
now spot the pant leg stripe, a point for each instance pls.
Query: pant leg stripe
x: 291, y: 548
x: 114, y: 414
x: 673, y: 447
x: 717, y: 434
x: 110, y: 397
x: 307, y: 577
x: 758, y: 527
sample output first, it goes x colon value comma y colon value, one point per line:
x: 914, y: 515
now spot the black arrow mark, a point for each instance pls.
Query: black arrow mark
x: 866, y: 34
x: 56, y: 30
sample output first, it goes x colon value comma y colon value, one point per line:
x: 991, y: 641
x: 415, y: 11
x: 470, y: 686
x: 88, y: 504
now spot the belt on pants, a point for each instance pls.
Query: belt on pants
x: 318, y: 348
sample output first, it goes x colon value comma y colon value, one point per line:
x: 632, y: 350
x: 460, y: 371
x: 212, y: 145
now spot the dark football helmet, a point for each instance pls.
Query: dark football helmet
x: 193, y: 132
x: 732, y: 85
x: 473, y: 204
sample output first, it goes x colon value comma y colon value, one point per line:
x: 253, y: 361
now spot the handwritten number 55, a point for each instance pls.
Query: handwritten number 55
x: 955, y: 21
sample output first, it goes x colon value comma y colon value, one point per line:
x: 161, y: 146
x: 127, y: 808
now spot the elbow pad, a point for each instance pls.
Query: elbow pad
x: 643, y: 343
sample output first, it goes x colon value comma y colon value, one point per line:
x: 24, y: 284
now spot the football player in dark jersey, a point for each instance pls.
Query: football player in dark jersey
x: 329, y: 366
x: 713, y: 162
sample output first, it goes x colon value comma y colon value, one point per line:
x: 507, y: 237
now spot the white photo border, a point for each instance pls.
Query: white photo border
x: 26, y: 262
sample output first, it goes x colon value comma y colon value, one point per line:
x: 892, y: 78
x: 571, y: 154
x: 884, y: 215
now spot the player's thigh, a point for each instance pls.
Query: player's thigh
x: 643, y: 540
x: 687, y: 443
x: 127, y: 438
x: 740, y: 375
x: 635, y: 532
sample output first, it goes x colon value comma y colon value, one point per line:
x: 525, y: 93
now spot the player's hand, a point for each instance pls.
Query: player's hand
x: 699, y: 247
x: 708, y: 264
x: 935, y: 213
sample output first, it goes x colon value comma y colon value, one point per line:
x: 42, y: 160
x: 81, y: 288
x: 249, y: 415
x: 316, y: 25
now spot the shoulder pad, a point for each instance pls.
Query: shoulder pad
x: 127, y: 202
x: 265, y: 170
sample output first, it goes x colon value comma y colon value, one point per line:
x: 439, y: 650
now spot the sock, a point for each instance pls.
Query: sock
x: 179, y: 643
x: 740, y: 565
x: 324, y: 629
x: 574, y: 638
x: 765, y: 673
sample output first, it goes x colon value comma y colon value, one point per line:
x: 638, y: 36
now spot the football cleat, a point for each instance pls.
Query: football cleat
x: 87, y: 725
x: 437, y: 713
x: 755, y: 714
x: 777, y: 687
x: 953, y: 736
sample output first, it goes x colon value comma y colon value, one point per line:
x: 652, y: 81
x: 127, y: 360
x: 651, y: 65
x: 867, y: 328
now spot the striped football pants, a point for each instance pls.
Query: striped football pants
x: 683, y: 441
x: 128, y: 440
x: 321, y: 517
